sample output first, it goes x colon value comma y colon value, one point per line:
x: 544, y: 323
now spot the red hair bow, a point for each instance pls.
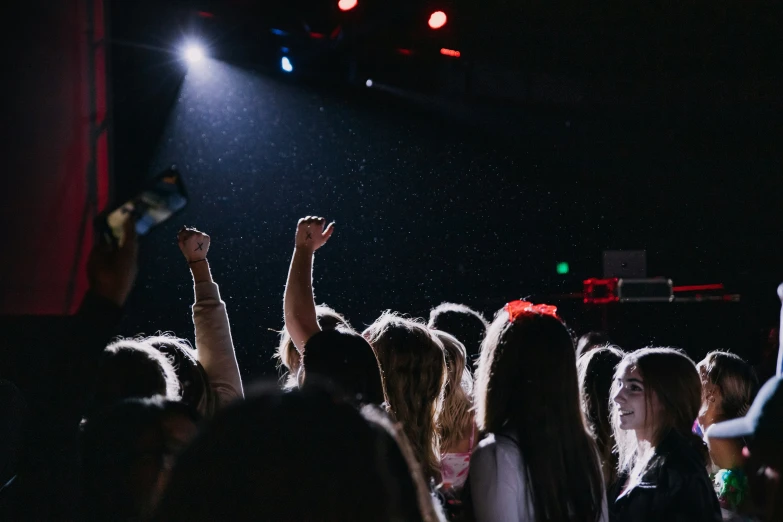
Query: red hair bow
x: 517, y: 308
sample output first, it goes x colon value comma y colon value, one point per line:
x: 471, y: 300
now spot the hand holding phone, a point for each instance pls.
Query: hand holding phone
x: 159, y: 201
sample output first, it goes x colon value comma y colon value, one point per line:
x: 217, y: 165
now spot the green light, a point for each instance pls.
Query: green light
x: 562, y: 268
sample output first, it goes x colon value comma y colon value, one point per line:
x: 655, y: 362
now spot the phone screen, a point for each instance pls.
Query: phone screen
x: 162, y: 199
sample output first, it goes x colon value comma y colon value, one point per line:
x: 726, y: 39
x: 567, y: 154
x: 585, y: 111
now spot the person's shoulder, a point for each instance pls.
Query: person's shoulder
x: 496, y: 462
x: 496, y: 447
x: 681, y: 453
x: 488, y: 440
x: 684, y: 471
x: 496, y: 440
x: 486, y: 446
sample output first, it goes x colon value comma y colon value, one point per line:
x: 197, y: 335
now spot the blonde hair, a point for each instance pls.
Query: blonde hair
x: 671, y: 377
x: 457, y: 414
x: 288, y: 356
x: 413, y: 369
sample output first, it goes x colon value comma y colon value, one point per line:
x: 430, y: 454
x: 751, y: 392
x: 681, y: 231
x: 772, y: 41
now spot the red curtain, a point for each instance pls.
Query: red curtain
x: 58, y: 168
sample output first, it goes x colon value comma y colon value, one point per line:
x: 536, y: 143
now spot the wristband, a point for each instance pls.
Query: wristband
x: 196, y: 261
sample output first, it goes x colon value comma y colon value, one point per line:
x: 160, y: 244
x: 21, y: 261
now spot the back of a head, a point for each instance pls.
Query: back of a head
x: 414, y: 370
x: 591, y: 341
x: 194, y: 383
x: 461, y: 321
x: 130, y: 368
x: 736, y: 380
x: 287, y: 354
x: 344, y: 358
x: 124, y: 449
x: 526, y: 383
x: 521, y: 360
x: 300, y: 456
x: 596, y: 370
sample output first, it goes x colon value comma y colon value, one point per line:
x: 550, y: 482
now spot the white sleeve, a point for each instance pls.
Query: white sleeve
x: 214, y: 346
x: 496, y: 488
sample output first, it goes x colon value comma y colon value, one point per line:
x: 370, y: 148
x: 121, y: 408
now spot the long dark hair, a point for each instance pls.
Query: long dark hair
x: 596, y: 375
x: 526, y: 381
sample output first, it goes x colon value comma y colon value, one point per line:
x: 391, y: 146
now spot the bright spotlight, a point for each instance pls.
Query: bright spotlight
x: 285, y: 64
x: 437, y: 19
x: 193, y: 53
x: 346, y: 5
x: 368, y: 83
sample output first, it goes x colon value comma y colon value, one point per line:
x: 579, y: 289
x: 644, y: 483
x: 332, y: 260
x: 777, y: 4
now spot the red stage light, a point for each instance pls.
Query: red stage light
x: 450, y: 52
x: 347, y: 5
x: 437, y: 19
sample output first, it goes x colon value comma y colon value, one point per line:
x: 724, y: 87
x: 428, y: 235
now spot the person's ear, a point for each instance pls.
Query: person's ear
x: 712, y: 393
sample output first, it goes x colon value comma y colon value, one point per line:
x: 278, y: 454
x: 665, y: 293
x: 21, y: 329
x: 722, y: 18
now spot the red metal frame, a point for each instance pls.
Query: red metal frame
x: 698, y: 288
x: 590, y: 286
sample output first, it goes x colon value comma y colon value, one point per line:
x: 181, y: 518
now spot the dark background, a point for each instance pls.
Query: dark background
x: 637, y: 126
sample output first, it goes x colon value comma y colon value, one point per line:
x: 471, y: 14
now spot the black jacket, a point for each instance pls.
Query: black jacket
x: 674, y: 488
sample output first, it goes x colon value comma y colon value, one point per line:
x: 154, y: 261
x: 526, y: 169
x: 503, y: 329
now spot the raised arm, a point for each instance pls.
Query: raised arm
x: 214, y: 346
x: 299, y: 303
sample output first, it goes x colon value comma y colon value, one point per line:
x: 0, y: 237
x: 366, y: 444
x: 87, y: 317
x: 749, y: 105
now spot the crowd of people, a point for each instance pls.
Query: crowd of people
x: 456, y: 418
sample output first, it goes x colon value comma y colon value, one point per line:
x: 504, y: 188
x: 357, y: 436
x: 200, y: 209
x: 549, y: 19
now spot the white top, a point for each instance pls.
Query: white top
x: 214, y: 346
x: 498, y: 485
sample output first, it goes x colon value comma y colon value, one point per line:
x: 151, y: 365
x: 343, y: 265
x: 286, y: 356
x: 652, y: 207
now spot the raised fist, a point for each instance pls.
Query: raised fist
x: 311, y: 234
x: 193, y: 243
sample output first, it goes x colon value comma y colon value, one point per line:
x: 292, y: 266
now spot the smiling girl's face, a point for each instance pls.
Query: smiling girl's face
x: 632, y: 405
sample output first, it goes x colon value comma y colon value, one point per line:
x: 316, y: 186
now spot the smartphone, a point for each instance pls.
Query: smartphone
x: 160, y: 200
